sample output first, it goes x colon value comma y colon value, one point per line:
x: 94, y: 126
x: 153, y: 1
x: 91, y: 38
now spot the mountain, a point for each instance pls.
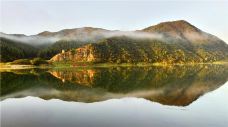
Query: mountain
x: 182, y: 31
x: 169, y: 42
x: 179, y: 42
x: 84, y: 33
x: 175, y: 28
x: 70, y: 38
x: 51, y: 43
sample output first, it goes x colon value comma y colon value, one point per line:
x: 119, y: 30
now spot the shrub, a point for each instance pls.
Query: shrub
x: 38, y: 61
x: 21, y: 61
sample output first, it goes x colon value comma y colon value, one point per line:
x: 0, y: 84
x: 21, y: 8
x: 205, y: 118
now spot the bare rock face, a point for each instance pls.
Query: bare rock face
x: 87, y: 53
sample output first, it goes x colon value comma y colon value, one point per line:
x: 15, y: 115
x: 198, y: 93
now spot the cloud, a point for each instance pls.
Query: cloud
x: 31, y: 40
x: 134, y: 34
x: 78, y: 35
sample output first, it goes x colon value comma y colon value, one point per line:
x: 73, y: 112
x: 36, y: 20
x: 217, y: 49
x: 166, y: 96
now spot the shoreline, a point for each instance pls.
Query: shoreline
x: 17, y: 67
x: 4, y: 66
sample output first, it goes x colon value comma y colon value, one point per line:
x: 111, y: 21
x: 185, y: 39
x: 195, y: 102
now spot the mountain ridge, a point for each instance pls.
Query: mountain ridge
x: 180, y: 33
x: 170, y: 28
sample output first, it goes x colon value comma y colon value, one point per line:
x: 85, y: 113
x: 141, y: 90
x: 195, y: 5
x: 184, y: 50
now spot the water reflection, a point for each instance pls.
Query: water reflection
x: 81, y: 77
x: 175, y: 85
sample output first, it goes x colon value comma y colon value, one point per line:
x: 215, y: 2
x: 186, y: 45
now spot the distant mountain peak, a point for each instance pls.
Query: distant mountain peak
x: 44, y: 33
x: 183, y: 31
x: 177, y: 27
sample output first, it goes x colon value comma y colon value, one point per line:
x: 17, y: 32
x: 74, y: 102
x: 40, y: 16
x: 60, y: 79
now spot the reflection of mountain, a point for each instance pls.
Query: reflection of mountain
x: 179, y: 85
x: 81, y: 77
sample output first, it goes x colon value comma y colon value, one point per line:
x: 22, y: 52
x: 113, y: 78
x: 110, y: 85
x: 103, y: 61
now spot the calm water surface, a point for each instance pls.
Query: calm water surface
x: 174, y: 96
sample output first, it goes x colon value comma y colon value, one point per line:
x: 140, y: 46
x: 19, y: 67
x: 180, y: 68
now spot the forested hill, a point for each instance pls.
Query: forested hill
x: 178, y: 42
x: 128, y: 50
x: 12, y: 50
x: 46, y: 44
x: 169, y: 42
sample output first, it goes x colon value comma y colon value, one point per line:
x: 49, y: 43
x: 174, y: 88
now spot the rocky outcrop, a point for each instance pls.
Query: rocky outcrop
x: 87, y: 53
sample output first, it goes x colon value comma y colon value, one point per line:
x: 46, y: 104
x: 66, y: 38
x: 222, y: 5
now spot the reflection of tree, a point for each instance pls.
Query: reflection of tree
x: 171, y: 85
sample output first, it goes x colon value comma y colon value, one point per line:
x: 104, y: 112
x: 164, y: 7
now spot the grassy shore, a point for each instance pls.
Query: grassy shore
x: 71, y: 64
x: 4, y: 66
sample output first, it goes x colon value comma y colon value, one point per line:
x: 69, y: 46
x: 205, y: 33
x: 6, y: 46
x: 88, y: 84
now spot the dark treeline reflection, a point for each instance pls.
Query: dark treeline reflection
x: 170, y: 85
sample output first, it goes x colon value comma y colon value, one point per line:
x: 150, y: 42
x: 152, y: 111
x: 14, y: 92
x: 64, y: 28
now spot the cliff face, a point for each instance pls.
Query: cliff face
x: 87, y: 53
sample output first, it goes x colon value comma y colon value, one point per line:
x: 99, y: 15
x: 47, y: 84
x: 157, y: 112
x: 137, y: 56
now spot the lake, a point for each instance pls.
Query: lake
x: 160, y: 96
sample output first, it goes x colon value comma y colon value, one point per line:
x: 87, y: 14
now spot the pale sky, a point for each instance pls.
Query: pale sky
x: 34, y: 16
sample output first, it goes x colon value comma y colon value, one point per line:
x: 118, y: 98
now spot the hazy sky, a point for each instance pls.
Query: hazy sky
x: 31, y: 17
